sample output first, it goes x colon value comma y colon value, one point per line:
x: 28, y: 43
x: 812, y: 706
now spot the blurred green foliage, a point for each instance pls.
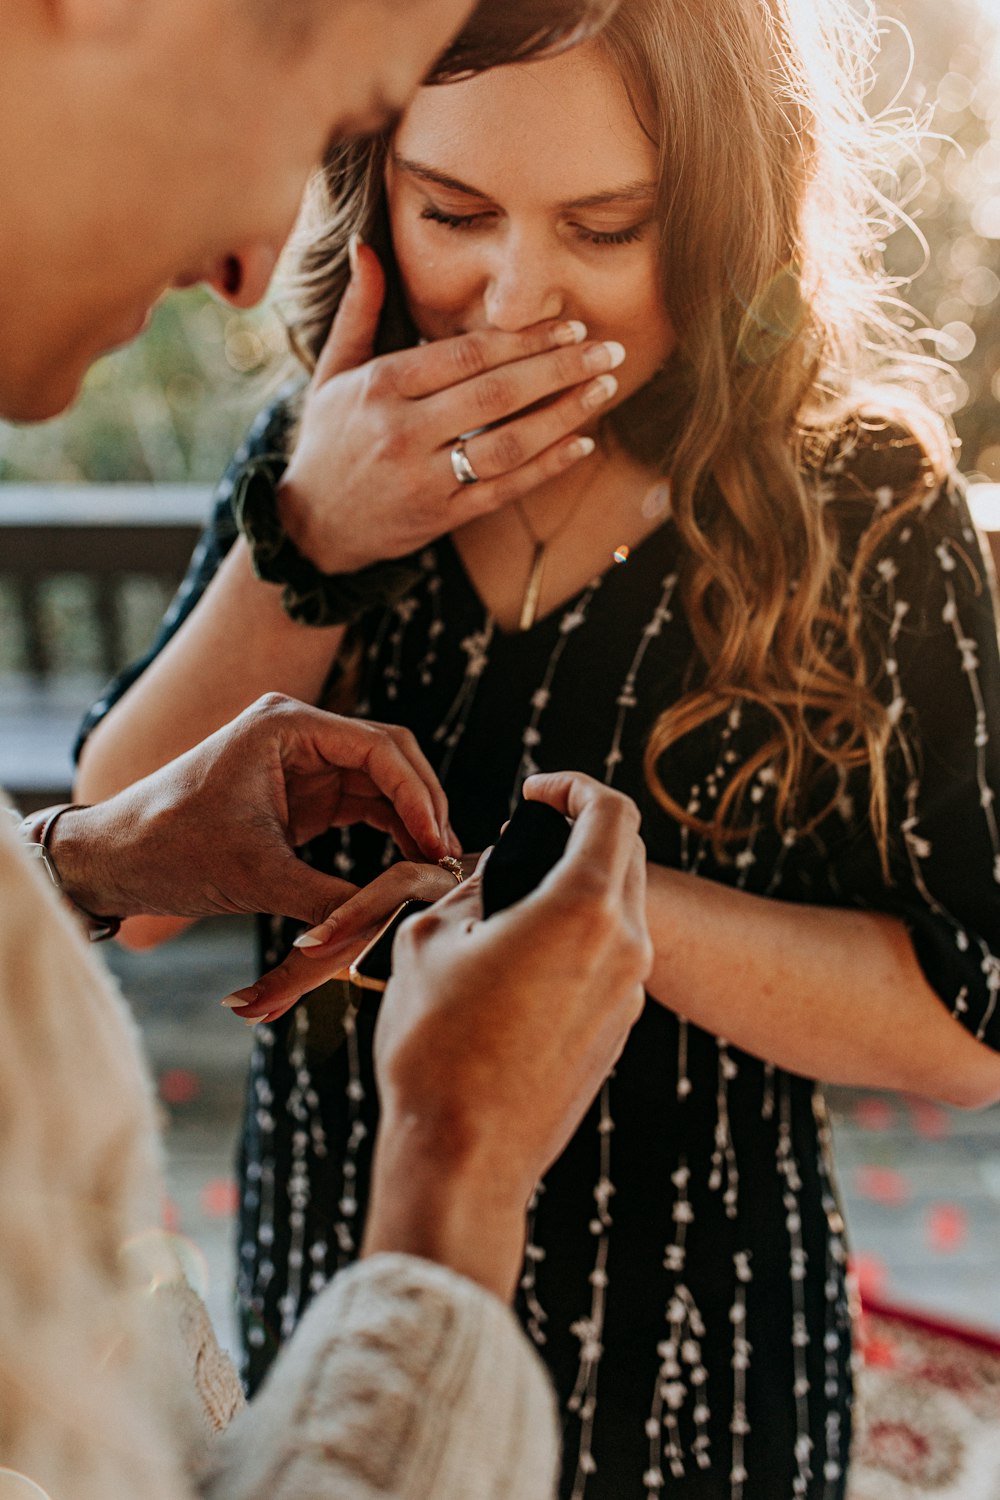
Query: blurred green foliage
x: 173, y: 406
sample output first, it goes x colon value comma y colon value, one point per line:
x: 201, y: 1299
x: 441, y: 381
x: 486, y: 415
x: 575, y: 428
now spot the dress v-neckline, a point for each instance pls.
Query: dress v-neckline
x: 556, y: 611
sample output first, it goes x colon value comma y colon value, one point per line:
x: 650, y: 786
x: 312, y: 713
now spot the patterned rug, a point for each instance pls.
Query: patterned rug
x: 929, y: 1410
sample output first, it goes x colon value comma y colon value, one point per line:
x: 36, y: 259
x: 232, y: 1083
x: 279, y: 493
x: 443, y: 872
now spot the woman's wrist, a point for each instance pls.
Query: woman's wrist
x: 310, y: 534
x: 310, y: 595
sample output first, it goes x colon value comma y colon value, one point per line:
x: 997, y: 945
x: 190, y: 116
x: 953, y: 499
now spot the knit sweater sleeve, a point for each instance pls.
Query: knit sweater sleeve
x: 403, y: 1380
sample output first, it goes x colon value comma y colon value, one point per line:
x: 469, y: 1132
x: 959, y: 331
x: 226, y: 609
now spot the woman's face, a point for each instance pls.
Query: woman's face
x: 528, y: 193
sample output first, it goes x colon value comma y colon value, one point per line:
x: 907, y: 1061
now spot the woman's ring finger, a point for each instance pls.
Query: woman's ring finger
x: 461, y: 464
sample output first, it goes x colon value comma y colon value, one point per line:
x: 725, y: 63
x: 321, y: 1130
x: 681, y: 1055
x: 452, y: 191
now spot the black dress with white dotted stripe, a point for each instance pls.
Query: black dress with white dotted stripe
x: 685, y: 1267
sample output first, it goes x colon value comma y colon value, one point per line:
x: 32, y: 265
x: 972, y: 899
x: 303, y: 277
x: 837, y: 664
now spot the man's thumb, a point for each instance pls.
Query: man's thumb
x: 351, y: 340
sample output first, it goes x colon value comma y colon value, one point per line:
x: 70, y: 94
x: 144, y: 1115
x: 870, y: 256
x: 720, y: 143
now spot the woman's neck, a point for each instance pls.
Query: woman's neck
x: 551, y: 542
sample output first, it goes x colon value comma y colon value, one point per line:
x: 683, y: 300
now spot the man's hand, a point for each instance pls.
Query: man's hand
x: 494, y: 1036
x: 216, y: 829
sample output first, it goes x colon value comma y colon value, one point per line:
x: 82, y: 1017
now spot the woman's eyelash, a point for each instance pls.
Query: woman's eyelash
x: 453, y: 221
x: 615, y: 237
x: 592, y: 236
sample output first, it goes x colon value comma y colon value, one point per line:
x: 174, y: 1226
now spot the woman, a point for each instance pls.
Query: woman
x: 757, y: 606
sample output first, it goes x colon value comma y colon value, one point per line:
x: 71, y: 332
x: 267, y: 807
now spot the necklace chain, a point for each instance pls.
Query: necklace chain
x: 557, y: 530
x: 540, y: 544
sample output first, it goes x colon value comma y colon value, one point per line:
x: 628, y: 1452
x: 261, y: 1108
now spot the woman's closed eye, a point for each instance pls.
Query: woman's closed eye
x: 627, y: 236
x: 455, y: 221
x: 613, y: 236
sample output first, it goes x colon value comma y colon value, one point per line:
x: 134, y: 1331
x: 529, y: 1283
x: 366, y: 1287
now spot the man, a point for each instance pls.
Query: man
x: 145, y: 143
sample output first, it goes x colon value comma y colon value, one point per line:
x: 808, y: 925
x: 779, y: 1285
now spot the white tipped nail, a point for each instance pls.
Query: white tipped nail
x: 352, y: 252
x: 233, y: 1002
x: 582, y: 447
x: 573, y: 332
x: 616, y: 352
x: 309, y: 940
x: 600, y: 390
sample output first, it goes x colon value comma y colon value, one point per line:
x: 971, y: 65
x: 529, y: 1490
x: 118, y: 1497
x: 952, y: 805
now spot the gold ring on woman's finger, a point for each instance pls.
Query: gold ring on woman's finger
x: 461, y: 465
x: 453, y: 866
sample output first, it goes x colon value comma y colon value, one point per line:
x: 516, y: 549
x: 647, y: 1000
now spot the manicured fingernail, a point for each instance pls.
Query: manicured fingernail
x: 600, y: 390
x: 252, y: 1020
x: 314, y: 939
x: 604, y: 356
x: 353, y: 246
x: 580, y: 447
x: 572, y: 332
x: 239, y: 999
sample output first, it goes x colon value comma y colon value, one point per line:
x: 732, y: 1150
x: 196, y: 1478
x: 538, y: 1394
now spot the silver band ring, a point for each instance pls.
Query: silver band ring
x: 460, y: 465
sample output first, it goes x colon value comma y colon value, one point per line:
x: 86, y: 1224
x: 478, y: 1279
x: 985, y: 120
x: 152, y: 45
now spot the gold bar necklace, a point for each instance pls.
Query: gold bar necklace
x: 533, y: 591
x: 540, y: 545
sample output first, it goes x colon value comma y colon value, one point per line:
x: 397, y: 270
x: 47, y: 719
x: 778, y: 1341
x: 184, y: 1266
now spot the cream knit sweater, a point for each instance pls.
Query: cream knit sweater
x: 404, y: 1379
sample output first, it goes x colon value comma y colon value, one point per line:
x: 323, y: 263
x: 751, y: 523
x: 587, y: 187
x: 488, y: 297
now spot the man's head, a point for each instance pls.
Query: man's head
x: 149, y: 143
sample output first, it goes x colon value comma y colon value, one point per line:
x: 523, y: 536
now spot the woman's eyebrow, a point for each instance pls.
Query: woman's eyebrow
x: 637, y: 191
x: 441, y: 179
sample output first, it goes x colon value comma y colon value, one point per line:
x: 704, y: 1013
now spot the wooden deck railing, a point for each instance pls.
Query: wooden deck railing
x: 110, y: 536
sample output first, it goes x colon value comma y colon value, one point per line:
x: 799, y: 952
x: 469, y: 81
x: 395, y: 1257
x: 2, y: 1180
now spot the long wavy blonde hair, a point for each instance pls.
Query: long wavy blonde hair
x: 773, y: 200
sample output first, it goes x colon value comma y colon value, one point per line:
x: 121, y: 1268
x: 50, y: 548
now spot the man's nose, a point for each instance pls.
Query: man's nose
x: 243, y: 277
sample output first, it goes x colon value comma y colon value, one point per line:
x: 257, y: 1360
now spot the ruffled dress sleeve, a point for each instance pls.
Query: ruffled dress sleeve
x: 931, y: 641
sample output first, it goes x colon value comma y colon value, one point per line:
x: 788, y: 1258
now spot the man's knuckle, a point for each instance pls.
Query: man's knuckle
x: 625, y: 812
x: 591, y: 886
x: 598, y: 914
x: 405, y: 739
x: 620, y: 801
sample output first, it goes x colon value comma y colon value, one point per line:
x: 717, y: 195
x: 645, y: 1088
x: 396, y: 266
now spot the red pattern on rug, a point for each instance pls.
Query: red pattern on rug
x: 928, y: 1422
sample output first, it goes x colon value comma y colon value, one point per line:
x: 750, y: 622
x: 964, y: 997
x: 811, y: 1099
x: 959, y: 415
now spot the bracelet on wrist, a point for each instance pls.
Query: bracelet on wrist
x: 308, y: 595
x: 36, y: 831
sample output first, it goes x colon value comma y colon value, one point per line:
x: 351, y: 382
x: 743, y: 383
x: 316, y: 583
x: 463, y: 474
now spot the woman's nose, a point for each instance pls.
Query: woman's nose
x: 523, y: 290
